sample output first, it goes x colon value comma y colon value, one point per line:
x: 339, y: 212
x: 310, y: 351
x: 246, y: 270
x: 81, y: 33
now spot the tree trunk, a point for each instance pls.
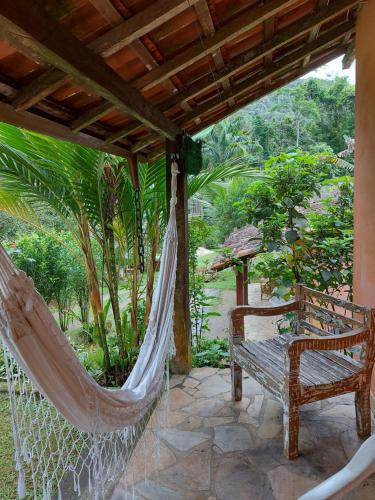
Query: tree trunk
x: 94, y: 290
x: 112, y: 277
x: 152, y: 264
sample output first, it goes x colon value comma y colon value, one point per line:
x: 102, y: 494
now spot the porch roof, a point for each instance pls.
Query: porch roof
x: 122, y: 76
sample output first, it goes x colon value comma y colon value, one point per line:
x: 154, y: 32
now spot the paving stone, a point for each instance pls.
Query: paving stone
x: 269, y: 429
x: 201, y: 373
x: 150, y: 455
x: 124, y: 493
x: 232, y: 438
x: 236, y: 479
x: 254, y: 408
x: 241, y: 405
x: 204, y: 407
x: 287, y: 485
x: 190, y: 390
x: 212, y: 387
x: 245, y: 418
x: 191, y: 382
x: 273, y: 410
x: 191, y: 423
x: 183, y: 440
x: 162, y: 419
x: 315, y: 406
x: 178, y: 399
x: 250, y: 387
x: 176, y: 380
x: 214, y: 421
x: 155, y: 491
x: 192, y: 472
x: 347, y: 411
x: 350, y: 442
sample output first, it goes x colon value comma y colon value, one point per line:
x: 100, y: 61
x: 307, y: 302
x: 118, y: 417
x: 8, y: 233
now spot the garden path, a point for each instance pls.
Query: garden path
x: 211, y: 448
x: 256, y: 327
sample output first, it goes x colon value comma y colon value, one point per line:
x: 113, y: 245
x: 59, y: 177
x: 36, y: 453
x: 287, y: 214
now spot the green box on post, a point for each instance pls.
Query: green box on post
x: 192, y: 155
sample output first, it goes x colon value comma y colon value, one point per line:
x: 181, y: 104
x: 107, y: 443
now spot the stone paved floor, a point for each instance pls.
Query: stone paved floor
x: 214, y: 449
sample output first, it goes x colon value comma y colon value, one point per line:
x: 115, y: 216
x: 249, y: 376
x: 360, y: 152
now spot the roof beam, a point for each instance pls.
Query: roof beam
x: 41, y: 125
x: 269, y: 71
x: 33, y: 32
x: 349, y: 56
x: 138, y: 25
x: 315, y: 31
x: 200, y: 49
x: 39, y: 88
x: 122, y: 33
x: 239, y: 63
x: 91, y: 116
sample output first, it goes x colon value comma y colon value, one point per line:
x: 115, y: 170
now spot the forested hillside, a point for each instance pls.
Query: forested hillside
x: 311, y: 115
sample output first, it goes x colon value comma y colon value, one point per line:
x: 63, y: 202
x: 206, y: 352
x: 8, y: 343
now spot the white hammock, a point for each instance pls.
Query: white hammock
x: 35, y: 341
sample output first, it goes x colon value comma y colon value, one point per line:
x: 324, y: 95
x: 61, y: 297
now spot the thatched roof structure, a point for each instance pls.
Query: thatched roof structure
x: 246, y: 242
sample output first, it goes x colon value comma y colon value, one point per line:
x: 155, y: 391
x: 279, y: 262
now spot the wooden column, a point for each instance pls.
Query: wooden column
x: 181, y: 363
x: 245, y: 281
x: 364, y: 170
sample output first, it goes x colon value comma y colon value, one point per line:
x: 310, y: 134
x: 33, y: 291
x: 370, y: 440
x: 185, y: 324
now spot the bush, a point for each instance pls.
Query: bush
x: 56, y: 269
x: 211, y: 352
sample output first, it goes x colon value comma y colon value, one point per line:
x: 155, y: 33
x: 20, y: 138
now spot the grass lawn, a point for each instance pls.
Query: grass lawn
x: 8, y: 474
x: 224, y: 280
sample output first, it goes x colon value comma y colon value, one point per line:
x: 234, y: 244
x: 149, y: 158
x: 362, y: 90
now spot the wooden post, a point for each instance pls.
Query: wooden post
x: 245, y: 281
x: 181, y: 363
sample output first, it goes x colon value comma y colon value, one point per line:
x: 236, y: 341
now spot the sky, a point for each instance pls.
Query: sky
x: 333, y: 69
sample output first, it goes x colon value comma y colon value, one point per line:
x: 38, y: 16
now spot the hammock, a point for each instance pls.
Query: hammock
x: 41, y: 349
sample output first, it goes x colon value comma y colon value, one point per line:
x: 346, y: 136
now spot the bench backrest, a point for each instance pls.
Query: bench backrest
x: 323, y: 315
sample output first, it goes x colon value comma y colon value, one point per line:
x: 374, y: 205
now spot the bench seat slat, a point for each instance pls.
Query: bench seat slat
x: 317, y: 367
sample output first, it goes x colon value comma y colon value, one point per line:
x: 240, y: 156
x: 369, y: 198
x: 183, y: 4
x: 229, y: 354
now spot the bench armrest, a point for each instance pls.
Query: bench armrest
x: 241, y: 311
x: 332, y: 343
x: 237, y: 314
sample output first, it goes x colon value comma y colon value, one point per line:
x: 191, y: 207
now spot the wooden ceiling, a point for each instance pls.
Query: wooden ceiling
x: 123, y: 75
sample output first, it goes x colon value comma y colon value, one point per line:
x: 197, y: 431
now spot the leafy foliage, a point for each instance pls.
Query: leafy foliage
x: 211, y: 352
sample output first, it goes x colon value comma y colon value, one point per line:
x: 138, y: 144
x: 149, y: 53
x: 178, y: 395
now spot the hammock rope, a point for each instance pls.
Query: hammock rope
x: 53, y: 399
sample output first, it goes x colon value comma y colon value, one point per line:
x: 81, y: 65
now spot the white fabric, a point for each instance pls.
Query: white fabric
x: 43, y: 352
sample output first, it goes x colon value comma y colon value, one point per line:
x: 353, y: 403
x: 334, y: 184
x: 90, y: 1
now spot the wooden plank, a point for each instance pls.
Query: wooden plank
x: 239, y: 63
x: 143, y: 143
x: 197, y: 50
x: 39, y: 88
x: 349, y: 56
x: 181, y: 363
x: 91, y: 116
x: 315, y: 31
x: 32, y: 31
x: 108, y: 11
x: 138, y: 25
x: 35, y: 123
x: 272, y: 70
x: 123, y: 132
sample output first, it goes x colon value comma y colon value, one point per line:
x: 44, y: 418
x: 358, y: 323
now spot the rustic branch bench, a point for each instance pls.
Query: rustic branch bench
x: 301, y: 368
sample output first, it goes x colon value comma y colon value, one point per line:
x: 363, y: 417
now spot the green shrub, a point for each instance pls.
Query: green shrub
x: 211, y: 352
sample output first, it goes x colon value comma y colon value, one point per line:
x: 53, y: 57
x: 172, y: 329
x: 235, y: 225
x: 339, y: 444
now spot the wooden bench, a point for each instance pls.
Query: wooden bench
x: 309, y: 364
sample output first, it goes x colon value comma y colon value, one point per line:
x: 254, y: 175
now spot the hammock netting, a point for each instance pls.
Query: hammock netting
x: 70, y: 434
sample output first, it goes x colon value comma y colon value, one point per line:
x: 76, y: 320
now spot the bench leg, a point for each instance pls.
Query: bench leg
x: 363, y: 411
x: 291, y: 430
x: 236, y: 375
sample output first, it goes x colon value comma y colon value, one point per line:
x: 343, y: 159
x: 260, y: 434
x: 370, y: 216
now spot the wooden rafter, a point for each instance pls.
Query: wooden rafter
x: 34, y: 32
x: 30, y: 121
x: 91, y: 116
x: 239, y: 63
x: 270, y: 71
x: 123, y: 33
x: 138, y: 25
x: 349, y: 56
x: 199, y: 49
x: 315, y: 31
